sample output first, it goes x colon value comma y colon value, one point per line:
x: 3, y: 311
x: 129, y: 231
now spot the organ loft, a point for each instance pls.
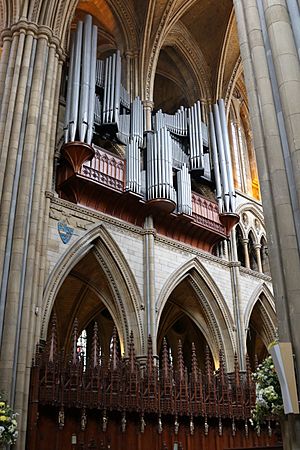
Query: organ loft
x: 148, y: 191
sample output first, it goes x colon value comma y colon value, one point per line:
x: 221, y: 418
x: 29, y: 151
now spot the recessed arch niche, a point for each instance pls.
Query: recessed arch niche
x: 192, y: 309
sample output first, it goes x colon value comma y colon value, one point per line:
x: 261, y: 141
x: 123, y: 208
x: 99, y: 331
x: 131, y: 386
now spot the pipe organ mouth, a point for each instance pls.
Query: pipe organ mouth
x: 162, y: 161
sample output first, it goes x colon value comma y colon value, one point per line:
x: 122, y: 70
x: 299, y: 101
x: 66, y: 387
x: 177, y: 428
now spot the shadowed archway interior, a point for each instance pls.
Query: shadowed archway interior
x: 85, y: 295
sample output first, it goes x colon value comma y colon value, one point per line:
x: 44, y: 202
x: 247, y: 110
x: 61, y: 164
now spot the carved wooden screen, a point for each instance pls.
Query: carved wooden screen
x: 123, y: 404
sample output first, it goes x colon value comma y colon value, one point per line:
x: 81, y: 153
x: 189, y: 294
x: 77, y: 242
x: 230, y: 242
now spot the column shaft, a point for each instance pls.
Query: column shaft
x: 238, y: 315
x: 246, y: 253
x: 258, y: 257
x: 149, y: 283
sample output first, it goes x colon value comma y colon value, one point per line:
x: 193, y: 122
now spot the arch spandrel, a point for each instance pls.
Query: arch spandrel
x: 217, y: 317
x: 122, y: 284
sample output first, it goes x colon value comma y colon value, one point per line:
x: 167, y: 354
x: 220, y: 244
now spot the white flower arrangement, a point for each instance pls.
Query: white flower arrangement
x: 268, y: 393
x: 8, y: 423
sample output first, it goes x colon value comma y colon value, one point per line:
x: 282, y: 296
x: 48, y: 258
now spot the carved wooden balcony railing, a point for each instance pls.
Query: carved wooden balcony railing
x: 100, y: 184
x: 106, y: 169
x: 206, y: 213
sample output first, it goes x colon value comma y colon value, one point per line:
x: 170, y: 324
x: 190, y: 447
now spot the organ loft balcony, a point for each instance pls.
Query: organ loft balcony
x: 173, y: 166
x: 99, y: 183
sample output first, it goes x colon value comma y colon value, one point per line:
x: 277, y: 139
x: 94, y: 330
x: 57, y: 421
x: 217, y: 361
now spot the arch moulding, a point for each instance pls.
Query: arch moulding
x: 121, y: 280
x: 217, y: 314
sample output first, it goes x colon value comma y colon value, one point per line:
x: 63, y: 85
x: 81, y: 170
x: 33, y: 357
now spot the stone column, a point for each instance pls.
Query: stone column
x: 275, y: 188
x: 149, y: 283
x: 30, y: 72
x: 287, y: 69
x: 257, y: 248
x: 245, y: 243
x: 238, y: 314
x: 148, y: 107
x: 132, y: 73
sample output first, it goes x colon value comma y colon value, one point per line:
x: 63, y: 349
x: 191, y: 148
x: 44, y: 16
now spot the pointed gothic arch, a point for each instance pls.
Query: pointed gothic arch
x: 268, y: 305
x: 125, y: 295
x: 211, y: 313
x: 260, y: 324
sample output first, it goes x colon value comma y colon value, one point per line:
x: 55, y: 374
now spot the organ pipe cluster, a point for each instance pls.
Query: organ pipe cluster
x: 80, y: 105
x: 159, y: 163
x: 225, y: 192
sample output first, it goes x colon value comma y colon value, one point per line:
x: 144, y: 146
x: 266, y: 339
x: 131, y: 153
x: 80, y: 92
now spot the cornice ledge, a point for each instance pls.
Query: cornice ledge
x: 255, y: 274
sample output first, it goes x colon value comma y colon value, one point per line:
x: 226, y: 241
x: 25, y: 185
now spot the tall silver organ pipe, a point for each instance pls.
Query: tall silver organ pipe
x: 137, y: 119
x: 124, y: 128
x: 91, y: 102
x: 232, y: 194
x: 221, y: 154
x: 179, y: 157
x: 132, y: 125
x: 159, y: 166
x: 133, y: 169
x: 184, y: 197
x: 213, y: 141
x: 69, y: 91
x: 195, y: 131
x: 124, y: 97
x: 98, y: 111
x: 74, y: 100
x: 85, y: 78
x: 80, y: 105
x: 112, y: 89
x: 99, y: 73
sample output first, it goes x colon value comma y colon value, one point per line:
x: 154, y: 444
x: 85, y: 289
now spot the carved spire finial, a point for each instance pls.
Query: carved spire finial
x: 95, y: 347
x: 74, y: 342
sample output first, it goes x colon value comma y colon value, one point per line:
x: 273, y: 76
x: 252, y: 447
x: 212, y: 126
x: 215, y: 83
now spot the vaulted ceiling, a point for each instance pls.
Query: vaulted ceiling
x: 184, y: 49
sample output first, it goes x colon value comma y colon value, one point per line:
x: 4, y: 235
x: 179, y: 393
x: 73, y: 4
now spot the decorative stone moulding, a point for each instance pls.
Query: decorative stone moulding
x: 77, y: 153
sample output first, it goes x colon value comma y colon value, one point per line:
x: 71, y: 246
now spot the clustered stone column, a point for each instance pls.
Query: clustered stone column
x: 278, y: 163
x: 30, y: 72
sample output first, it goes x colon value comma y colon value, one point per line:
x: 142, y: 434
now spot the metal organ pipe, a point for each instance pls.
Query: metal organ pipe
x: 117, y: 87
x: 216, y: 162
x: 195, y: 129
x: 69, y: 92
x: 227, y: 155
x: 104, y: 109
x: 99, y: 73
x: 80, y: 105
x: 159, y: 165
x: 75, y: 83
x: 97, y: 113
x: 221, y: 153
x: 133, y: 176
x: 112, y: 89
x: 91, y: 107
x: 85, y: 78
x: 184, y: 191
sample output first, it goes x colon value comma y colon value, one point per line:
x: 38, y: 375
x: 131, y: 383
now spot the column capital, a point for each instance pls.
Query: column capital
x: 148, y: 104
x: 26, y: 27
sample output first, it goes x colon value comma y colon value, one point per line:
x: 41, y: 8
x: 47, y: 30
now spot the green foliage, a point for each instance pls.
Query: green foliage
x: 8, y: 423
x: 268, y: 393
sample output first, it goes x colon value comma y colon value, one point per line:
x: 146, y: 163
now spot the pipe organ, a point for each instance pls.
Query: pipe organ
x: 160, y: 163
x: 80, y: 104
